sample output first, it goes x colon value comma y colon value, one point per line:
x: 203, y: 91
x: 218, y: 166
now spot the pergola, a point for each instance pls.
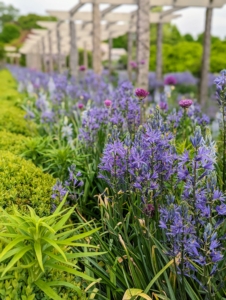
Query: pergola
x: 137, y: 21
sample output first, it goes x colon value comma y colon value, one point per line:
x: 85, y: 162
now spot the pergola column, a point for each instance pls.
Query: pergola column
x: 143, y: 42
x: 96, y: 38
x: 43, y: 55
x: 73, y: 50
x: 159, y: 52
x: 59, y: 47
x: 50, y: 52
x: 109, y: 53
x: 85, y: 55
x: 203, y: 96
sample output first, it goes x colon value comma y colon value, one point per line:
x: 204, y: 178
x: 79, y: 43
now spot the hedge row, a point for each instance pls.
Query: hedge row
x: 21, y: 183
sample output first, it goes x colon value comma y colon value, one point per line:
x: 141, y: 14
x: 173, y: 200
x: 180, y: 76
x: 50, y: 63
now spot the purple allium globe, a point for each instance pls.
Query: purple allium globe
x: 82, y: 68
x: 108, y: 103
x: 133, y: 64
x: 80, y: 106
x: 170, y: 80
x: 185, y: 103
x: 141, y: 93
x: 163, y: 105
x: 142, y: 62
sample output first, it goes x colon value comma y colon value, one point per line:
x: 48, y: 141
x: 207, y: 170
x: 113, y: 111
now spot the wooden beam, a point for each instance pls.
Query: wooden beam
x: 178, y: 3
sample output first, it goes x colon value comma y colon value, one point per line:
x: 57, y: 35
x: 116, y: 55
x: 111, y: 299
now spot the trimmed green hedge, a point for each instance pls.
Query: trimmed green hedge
x: 22, y: 183
x: 12, y: 142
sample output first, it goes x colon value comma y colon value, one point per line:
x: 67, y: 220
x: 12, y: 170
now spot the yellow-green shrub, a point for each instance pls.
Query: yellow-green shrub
x: 22, y: 183
x: 12, y: 119
x: 12, y: 142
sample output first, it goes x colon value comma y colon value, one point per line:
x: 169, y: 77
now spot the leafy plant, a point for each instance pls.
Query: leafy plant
x: 37, y: 246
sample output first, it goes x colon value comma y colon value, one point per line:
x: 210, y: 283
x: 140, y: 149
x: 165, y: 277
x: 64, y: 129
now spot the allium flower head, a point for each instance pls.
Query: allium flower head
x: 142, y: 62
x: 133, y: 64
x: 141, y: 93
x: 80, y: 106
x: 108, y: 103
x: 82, y: 68
x: 170, y: 80
x: 185, y: 103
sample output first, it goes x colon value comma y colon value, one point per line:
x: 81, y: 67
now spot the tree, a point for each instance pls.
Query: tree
x: 30, y: 21
x: 2, y: 51
x: 8, y: 13
x: 9, y: 33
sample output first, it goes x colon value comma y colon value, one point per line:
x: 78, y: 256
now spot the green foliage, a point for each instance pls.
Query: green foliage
x: 9, y: 33
x: 40, y: 248
x: 12, y: 116
x: 30, y: 21
x: 81, y: 58
x: 12, y: 142
x: 24, y: 184
x: 2, y: 51
x: 12, y: 120
x: 8, y: 13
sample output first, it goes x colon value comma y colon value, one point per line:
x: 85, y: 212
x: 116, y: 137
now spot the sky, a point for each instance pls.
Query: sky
x: 192, y: 20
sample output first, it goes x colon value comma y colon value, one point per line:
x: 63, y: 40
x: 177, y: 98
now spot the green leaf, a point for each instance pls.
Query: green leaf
x: 47, y: 290
x: 67, y: 284
x: 54, y: 244
x: 78, y: 237
x: 12, y: 244
x: 38, y: 252
x: 15, y: 259
x: 69, y: 270
x: 158, y: 275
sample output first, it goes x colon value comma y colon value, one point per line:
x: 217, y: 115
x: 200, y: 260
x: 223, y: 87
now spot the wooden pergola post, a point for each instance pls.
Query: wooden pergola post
x: 96, y: 38
x: 73, y: 49
x: 43, y: 54
x: 109, y: 53
x: 59, y: 66
x: 159, y: 52
x: 203, y: 95
x: 143, y: 43
x: 50, y: 52
x: 129, y: 54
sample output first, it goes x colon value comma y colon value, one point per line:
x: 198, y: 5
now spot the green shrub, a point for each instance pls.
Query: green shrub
x: 12, y: 119
x: 12, y: 142
x: 24, y: 184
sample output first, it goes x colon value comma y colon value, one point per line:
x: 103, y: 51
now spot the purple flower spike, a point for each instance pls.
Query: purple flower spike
x: 185, y: 103
x: 163, y: 105
x: 108, y: 103
x: 141, y: 93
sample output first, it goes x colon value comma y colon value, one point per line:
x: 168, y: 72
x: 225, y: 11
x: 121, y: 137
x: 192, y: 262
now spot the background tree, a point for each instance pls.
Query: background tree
x: 9, y: 33
x: 8, y: 13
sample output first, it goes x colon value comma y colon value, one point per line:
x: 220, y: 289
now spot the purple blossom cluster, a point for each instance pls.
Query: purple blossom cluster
x: 189, y: 226
x: 71, y: 186
x: 141, y: 163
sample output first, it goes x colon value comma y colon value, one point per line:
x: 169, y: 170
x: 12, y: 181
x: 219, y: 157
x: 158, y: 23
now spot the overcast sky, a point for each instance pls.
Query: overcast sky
x: 191, y: 21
